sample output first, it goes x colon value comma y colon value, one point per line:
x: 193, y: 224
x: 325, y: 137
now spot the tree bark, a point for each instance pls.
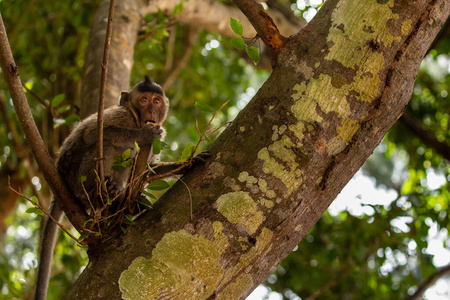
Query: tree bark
x: 337, y: 87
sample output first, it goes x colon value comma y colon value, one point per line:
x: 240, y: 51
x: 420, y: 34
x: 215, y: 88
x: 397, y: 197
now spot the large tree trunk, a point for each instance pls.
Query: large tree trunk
x: 337, y: 87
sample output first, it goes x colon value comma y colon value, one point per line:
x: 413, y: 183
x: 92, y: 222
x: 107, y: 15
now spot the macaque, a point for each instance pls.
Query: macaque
x: 137, y: 119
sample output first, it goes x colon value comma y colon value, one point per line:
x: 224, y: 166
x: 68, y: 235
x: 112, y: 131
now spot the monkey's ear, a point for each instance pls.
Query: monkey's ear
x: 124, y: 98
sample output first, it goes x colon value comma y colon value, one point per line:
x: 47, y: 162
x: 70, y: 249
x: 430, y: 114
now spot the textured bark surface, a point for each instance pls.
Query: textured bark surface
x: 337, y: 87
x: 127, y: 20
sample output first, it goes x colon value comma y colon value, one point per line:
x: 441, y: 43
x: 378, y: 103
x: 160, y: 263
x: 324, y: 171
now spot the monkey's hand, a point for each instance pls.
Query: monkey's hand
x: 200, y: 158
x: 112, y: 188
x: 151, y: 131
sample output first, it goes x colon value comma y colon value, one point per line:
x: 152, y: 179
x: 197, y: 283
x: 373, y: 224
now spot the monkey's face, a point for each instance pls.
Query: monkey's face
x: 151, y: 108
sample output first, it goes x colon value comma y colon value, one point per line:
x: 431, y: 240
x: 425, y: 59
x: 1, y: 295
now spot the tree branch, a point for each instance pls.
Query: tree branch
x: 427, y: 284
x: 73, y: 209
x: 101, y: 101
x: 189, y: 44
x: 263, y: 24
x: 427, y: 137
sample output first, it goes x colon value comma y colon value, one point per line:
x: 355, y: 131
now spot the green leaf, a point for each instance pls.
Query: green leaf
x: 83, y: 178
x: 126, y: 164
x: 129, y: 217
x: 34, y: 199
x: 90, y: 220
x: 129, y: 222
x: 158, y: 185
x: 187, y: 152
x: 253, y: 53
x: 145, y: 202
x: 71, y: 119
x: 203, y: 107
x: 124, y: 230
x: 137, y: 147
x: 98, y: 177
x: 63, y: 109
x: 126, y: 154
x: 238, y: 43
x: 236, y: 26
x: 178, y: 8
x: 148, y: 194
x: 31, y: 210
x: 83, y: 236
x: 156, y: 146
x: 150, y: 168
x: 39, y: 212
x: 165, y: 145
x: 57, y: 100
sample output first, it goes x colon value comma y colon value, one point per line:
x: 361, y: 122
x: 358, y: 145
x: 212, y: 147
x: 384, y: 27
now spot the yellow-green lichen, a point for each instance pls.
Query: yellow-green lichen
x: 347, y: 129
x: 355, y: 24
x: 270, y: 194
x: 182, y: 266
x: 267, y: 203
x: 243, y: 176
x: 236, y: 288
x: 290, y: 178
x: 406, y: 26
x: 345, y: 133
x: 305, y: 107
x: 261, y: 248
x: 349, y: 37
x: 240, y: 208
x: 262, y: 185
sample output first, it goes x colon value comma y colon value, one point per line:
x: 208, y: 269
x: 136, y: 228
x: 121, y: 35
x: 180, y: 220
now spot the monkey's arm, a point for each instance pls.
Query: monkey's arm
x: 119, y: 136
x: 179, y: 168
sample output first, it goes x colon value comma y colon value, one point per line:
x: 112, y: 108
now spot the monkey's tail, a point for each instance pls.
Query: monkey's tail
x: 46, y: 255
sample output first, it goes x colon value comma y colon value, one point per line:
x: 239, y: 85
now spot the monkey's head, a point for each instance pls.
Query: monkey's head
x: 146, y: 102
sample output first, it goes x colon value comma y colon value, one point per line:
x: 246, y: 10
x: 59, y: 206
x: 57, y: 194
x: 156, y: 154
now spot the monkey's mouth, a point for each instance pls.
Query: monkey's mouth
x: 150, y: 122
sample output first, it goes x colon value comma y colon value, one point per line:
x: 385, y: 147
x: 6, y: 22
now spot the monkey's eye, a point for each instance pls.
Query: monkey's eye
x: 156, y: 100
x: 144, y: 99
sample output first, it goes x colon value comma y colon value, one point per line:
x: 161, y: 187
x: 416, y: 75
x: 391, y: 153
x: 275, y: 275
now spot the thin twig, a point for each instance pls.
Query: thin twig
x: 190, y: 197
x: 45, y: 103
x: 101, y: 100
x: 43, y: 210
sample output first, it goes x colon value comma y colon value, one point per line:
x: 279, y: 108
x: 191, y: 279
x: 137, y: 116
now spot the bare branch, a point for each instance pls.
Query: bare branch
x: 73, y: 209
x: 101, y: 101
x: 189, y: 44
x: 263, y: 24
x: 427, y: 284
x: 427, y: 137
